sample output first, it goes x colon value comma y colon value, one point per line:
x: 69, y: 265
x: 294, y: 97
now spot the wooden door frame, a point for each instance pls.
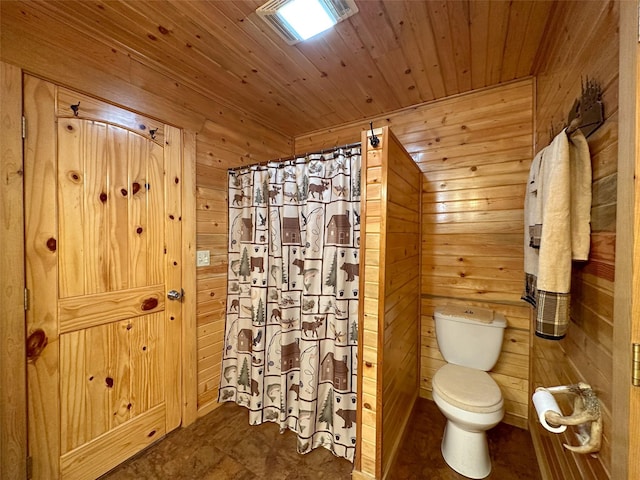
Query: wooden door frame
x: 189, y: 324
x: 13, y: 388
x: 625, y: 444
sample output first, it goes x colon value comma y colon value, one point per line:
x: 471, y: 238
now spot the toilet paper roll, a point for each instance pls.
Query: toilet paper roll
x: 543, y: 401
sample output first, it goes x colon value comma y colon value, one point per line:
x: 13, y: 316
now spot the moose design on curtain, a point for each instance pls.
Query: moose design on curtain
x: 290, y: 350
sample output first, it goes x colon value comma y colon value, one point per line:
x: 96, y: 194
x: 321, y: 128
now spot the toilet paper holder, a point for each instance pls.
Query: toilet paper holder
x: 586, y: 413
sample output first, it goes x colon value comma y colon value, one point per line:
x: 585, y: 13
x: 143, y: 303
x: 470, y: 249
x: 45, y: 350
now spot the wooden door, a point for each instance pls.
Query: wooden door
x: 102, y: 232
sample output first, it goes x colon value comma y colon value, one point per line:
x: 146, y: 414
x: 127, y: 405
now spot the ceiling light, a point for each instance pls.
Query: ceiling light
x: 297, y: 20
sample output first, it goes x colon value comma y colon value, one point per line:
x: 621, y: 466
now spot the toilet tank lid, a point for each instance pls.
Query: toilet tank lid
x: 472, y: 315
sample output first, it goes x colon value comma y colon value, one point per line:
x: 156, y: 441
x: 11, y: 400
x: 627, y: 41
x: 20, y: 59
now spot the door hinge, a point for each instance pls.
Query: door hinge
x: 26, y: 299
x: 29, y: 468
x: 635, y: 373
x: 24, y: 127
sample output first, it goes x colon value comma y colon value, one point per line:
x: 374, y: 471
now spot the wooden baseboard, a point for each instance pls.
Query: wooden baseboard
x: 207, y: 408
x: 425, y: 393
x: 516, y: 421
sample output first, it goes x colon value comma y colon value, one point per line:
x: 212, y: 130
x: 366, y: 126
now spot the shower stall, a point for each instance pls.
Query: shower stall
x: 323, y: 305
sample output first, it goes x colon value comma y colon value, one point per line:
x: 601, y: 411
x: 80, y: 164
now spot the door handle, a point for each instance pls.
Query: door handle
x: 175, y: 295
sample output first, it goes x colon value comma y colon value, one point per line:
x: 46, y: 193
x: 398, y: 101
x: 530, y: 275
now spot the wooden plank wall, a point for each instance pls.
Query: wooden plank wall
x: 476, y: 166
x: 219, y: 148
x: 582, y: 43
x: 474, y: 151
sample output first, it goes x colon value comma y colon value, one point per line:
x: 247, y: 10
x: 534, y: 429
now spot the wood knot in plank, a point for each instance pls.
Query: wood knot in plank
x: 149, y: 304
x: 36, y: 342
x: 52, y: 244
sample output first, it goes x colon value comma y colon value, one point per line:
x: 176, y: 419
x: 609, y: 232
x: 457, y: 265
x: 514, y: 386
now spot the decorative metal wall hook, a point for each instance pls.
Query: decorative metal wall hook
x: 375, y: 141
x: 75, y: 109
x: 587, y: 113
x: 153, y: 133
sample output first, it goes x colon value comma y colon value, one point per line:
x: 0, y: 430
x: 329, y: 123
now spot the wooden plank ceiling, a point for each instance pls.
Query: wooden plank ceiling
x: 391, y: 55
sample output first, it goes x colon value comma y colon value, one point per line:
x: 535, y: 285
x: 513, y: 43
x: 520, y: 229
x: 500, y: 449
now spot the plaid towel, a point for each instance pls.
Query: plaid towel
x: 551, y: 310
x: 552, y: 315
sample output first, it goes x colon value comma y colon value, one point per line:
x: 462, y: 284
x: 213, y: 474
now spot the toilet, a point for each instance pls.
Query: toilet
x: 470, y: 340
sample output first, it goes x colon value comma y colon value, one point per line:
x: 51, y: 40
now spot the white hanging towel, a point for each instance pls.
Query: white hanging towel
x: 557, y: 215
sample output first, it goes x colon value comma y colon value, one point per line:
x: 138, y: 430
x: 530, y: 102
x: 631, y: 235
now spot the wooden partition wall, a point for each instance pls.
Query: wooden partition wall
x: 583, y: 42
x: 390, y: 306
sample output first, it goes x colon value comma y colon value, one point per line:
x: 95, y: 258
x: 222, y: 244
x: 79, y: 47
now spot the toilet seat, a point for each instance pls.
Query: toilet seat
x: 467, y: 388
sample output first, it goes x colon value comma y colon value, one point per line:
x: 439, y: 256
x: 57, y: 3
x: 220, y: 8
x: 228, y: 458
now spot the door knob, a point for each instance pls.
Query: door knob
x: 175, y: 295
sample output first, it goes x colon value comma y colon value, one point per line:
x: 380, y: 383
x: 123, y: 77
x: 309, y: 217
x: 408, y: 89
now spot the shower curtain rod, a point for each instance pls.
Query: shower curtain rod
x: 293, y: 157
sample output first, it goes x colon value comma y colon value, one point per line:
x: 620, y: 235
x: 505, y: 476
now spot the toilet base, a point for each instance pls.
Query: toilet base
x: 466, y: 452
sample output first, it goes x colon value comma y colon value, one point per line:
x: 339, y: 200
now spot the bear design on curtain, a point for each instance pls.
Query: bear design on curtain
x: 290, y: 350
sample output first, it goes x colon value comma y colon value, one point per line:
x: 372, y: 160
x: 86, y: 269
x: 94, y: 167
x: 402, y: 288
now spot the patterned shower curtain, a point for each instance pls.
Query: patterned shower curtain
x: 290, y: 350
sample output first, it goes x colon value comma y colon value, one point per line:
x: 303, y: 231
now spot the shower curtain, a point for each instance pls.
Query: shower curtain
x: 290, y: 350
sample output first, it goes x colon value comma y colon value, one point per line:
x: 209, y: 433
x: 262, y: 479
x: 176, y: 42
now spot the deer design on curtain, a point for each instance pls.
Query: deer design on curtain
x: 290, y: 350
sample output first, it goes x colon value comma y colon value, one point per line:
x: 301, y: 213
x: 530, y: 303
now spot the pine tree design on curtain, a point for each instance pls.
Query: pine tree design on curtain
x: 290, y: 352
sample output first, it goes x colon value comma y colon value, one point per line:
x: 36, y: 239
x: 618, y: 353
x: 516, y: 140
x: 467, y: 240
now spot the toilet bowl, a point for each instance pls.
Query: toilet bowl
x: 470, y: 340
x: 472, y: 403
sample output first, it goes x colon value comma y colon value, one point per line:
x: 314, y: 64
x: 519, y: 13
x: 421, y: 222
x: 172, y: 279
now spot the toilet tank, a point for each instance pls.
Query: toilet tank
x: 469, y: 336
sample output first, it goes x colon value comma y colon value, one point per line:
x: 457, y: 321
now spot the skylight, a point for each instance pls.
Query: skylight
x: 298, y: 20
x: 306, y: 17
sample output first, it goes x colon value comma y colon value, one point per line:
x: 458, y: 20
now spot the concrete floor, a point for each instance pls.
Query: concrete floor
x: 222, y: 445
